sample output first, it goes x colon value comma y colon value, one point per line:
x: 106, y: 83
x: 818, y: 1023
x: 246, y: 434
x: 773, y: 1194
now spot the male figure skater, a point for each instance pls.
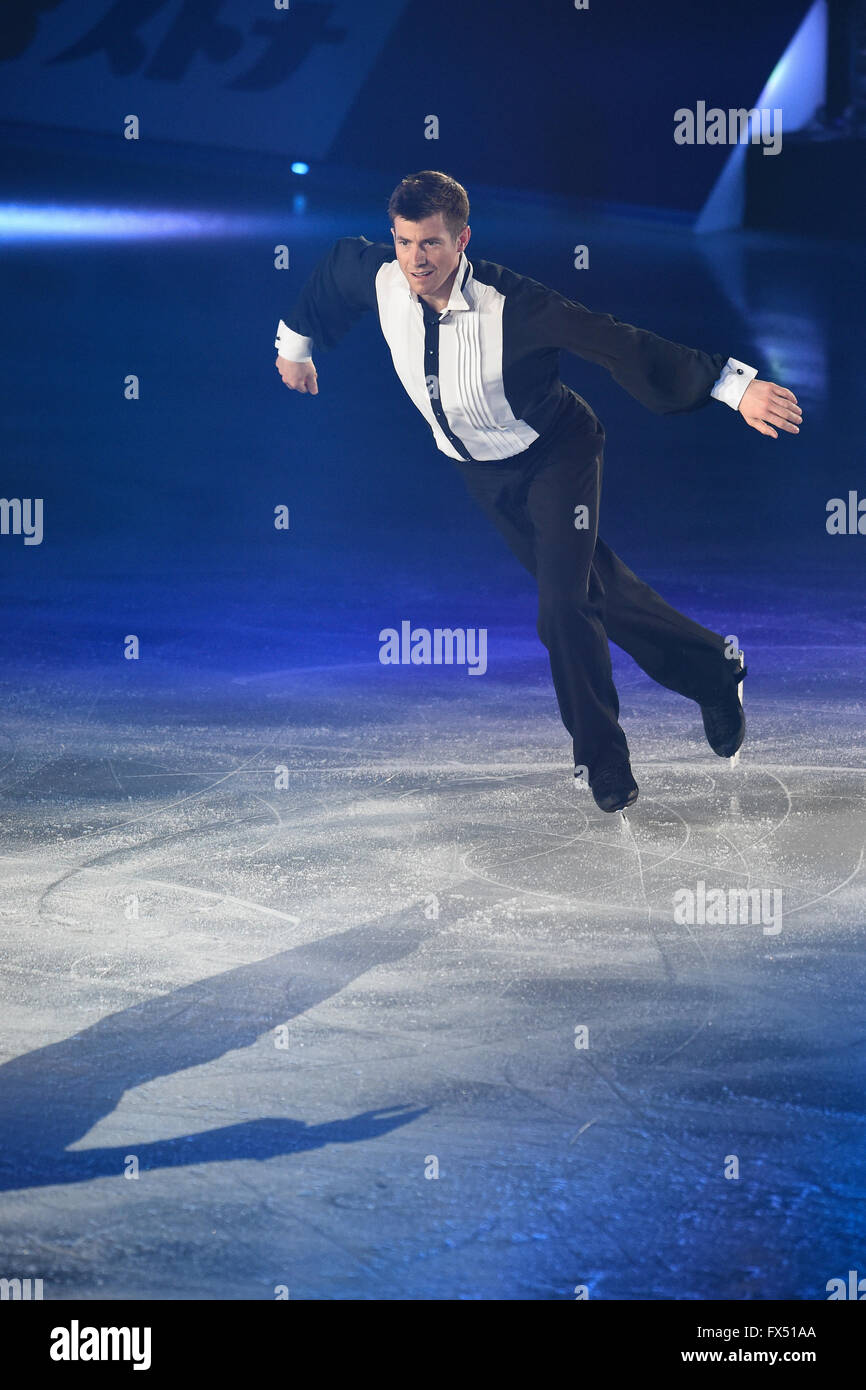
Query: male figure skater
x: 477, y: 348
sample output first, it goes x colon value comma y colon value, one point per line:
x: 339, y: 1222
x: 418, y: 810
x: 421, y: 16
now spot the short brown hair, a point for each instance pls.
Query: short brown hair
x: 426, y: 193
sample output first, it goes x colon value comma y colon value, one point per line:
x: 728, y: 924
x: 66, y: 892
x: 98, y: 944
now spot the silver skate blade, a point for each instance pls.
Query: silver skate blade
x: 735, y: 760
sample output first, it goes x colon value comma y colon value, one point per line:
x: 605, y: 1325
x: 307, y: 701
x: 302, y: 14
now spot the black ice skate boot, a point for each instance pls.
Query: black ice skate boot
x: 613, y: 786
x: 724, y: 720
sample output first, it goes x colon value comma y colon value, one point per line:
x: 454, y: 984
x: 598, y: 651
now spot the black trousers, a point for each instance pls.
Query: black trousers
x: 585, y: 592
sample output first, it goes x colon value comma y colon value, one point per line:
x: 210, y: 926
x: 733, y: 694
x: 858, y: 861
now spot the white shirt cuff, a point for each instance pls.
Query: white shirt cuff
x: 731, y: 385
x: 291, y: 345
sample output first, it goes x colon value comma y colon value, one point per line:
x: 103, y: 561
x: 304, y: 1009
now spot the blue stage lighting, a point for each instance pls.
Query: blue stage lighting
x: 64, y: 222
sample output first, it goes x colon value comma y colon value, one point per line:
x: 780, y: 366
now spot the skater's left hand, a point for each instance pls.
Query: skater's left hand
x: 765, y: 404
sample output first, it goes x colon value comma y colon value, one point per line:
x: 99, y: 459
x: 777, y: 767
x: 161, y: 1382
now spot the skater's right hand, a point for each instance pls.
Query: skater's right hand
x: 299, y: 376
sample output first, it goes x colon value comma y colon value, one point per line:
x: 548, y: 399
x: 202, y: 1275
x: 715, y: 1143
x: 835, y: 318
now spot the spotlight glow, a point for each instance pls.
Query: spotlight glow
x: 58, y: 222
x: 300, y: 168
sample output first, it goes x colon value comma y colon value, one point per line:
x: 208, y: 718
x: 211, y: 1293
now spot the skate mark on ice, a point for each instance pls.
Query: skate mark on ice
x: 104, y: 860
x: 266, y: 844
x: 845, y: 881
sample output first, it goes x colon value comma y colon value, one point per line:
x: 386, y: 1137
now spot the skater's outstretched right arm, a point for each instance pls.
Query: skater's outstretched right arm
x: 339, y: 290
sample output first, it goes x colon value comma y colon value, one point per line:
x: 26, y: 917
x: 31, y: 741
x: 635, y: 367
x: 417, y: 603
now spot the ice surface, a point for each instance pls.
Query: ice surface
x: 429, y: 908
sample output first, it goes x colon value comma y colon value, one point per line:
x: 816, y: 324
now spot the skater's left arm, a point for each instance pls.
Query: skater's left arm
x: 666, y: 377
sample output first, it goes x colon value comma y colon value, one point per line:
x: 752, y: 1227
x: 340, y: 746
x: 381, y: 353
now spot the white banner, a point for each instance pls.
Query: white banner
x: 242, y: 73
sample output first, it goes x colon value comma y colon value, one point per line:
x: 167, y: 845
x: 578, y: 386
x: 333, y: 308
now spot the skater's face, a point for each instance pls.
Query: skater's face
x: 428, y: 254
